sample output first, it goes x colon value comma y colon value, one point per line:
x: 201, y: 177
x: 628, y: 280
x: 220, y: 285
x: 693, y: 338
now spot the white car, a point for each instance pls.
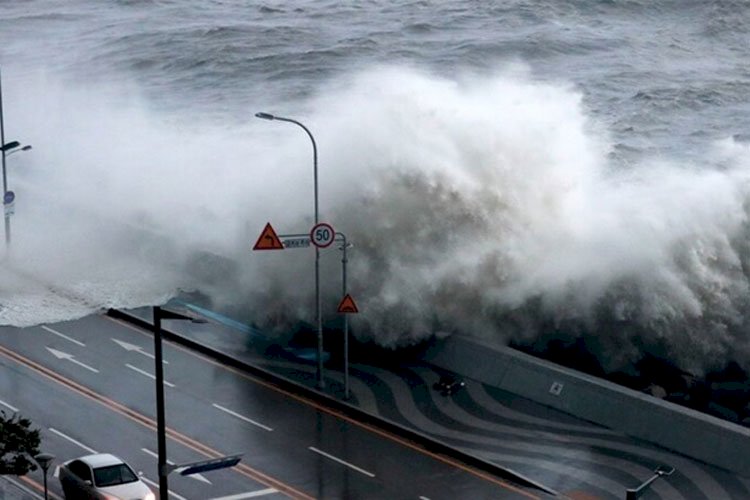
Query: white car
x: 101, y: 477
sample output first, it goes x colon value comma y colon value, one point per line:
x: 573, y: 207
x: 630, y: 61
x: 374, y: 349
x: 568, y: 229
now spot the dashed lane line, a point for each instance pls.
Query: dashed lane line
x: 249, y: 494
x: 147, y: 374
x: 155, y: 485
x: 313, y: 404
x: 65, y: 436
x: 62, y: 335
x: 11, y: 408
x: 242, y: 417
x: 133, y: 415
x: 342, y: 462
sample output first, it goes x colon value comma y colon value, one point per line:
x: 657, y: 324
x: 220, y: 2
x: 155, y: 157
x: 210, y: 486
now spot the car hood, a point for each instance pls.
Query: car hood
x: 130, y: 491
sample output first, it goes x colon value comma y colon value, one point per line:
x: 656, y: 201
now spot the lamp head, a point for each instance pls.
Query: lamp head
x: 44, y: 459
x: 265, y: 116
x: 10, y: 145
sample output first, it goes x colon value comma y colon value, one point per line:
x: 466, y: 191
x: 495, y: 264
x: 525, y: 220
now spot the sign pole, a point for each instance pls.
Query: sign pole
x: 322, y: 235
x: 346, y: 306
x: 5, y: 175
x: 346, y: 318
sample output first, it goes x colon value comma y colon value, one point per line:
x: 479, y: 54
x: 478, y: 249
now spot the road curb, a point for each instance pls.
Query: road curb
x: 428, y: 443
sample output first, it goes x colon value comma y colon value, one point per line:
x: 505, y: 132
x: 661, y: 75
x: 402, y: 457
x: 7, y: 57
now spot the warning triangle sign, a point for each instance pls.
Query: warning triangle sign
x: 347, y: 305
x: 268, y: 240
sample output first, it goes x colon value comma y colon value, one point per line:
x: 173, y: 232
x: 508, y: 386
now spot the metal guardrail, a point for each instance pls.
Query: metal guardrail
x: 635, y: 493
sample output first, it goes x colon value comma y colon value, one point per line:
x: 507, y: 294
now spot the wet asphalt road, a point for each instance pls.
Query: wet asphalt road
x: 88, y: 386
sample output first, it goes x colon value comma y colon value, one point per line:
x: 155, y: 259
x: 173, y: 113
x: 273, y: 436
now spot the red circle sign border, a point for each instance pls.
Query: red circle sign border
x: 319, y: 226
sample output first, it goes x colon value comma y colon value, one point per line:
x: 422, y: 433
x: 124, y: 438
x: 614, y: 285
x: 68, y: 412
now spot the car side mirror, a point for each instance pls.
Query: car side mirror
x: 88, y: 482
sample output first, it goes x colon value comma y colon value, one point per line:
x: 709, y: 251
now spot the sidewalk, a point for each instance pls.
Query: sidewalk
x: 550, y: 448
x: 12, y: 488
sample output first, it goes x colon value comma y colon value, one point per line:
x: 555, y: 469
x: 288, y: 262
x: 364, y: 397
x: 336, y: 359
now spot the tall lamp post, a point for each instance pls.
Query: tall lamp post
x: 44, y: 460
x: 318, y: 317
x: 159, y: 315
x: 7, y: 149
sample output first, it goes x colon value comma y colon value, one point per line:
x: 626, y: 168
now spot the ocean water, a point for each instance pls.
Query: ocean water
x: 504, y: 169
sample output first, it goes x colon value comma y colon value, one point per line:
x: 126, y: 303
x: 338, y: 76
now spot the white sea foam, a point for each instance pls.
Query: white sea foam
x: 483, y: 203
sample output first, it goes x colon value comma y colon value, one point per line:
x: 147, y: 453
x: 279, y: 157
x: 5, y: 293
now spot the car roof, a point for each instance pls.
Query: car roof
x: 101, y: 460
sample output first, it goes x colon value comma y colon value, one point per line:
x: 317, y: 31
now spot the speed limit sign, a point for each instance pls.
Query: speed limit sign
x: 322, y: 235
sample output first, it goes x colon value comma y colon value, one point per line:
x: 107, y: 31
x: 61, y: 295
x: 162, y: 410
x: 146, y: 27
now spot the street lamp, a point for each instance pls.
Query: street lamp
x: 17, y: 150
x: 7, y: 149
x: 318, y: 317
x: 160, y: 314
x: 44, y: 460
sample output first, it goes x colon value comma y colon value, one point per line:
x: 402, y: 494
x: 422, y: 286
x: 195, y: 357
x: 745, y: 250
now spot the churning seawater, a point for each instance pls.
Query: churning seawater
x: 503, y: 169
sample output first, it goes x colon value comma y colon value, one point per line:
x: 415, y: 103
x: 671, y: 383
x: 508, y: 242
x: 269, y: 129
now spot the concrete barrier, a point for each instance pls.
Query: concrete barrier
x: 326, y: 400
x: 666, y: 424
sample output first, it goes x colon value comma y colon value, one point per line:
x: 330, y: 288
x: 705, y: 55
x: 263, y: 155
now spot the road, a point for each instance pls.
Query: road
x: 88, y: 386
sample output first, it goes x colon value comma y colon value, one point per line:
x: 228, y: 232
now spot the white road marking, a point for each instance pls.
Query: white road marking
x: 65, y: 436
x: 249, y: 494
x: 132, y: 347
x: 342, y: 462
x: 12, y: 408
x: 423, y: 498
x: 241, y: 417
x: 198, y: 477
x: 71, y: 358
x: 155, y: 485
x: 55, y: 332
x: 22, y: 487
x: 143, y: 372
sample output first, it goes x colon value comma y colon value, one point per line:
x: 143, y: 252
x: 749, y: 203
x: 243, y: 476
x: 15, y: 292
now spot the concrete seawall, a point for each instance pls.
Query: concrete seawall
x: 671, y: 426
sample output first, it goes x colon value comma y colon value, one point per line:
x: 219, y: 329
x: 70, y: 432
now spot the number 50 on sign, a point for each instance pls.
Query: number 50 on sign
x: 322, y: 235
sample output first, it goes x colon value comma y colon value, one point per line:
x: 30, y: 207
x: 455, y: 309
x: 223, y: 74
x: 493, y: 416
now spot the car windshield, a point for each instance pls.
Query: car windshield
x: 113, y: 475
